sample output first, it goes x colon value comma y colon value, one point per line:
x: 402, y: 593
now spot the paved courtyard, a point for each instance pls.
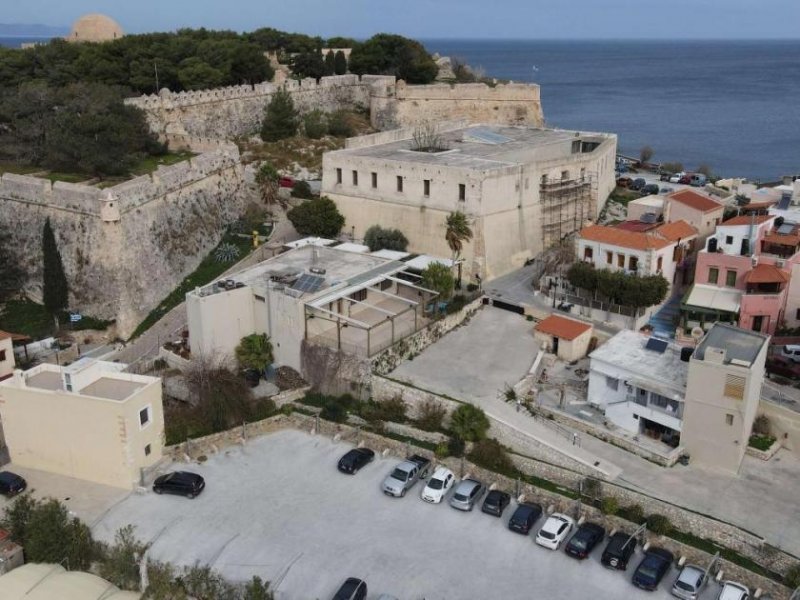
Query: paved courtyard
x: 278, y: 508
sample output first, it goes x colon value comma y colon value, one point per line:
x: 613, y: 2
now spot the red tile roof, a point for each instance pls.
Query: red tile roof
x: 661, y: 237
x: 747, y: 219
x: 678, y: 230
x: 562, y: 328
x: 695, y: 200
x: 764, y: 273
x: 16, y: 337
x: 636, y: 226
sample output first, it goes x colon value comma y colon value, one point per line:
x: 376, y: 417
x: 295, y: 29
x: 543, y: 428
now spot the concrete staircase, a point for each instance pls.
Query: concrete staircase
x: 665, y: 320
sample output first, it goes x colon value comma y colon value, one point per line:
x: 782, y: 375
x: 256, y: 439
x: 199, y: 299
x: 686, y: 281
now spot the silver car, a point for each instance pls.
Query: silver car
x: 690, y: 582
x: 467, y: 494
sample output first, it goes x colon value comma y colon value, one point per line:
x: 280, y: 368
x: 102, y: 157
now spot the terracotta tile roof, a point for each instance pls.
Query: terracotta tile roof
x: 636, y: 226
x: 635, y: 240
x: 695, y: 200
x: 17, y: 337
x: 562, y: 328
x: 678, y: 230
x: 758, y: 205
x: 746, y: 219
x: 791, y: 239
x: 764, y: 273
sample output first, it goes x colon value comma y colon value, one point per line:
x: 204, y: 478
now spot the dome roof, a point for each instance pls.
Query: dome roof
x: 95, y: 28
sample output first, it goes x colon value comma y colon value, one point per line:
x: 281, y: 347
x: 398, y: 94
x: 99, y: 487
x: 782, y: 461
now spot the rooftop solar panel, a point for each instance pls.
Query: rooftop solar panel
x: 486, y: 136
x: 308, y: 283
x: 786, y: 229
x: 656, y: 345
x: 784, y: 202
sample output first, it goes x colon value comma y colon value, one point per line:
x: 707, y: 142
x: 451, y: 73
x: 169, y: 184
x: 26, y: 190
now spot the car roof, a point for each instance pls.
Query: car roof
x: 660, y: 553
x: 589, y: 526
x: 732, y: 591
x: 468, y: 484
x: 8, y: 476
x: 497, y: 494
x: 555, y: 521
x: 441, y: 472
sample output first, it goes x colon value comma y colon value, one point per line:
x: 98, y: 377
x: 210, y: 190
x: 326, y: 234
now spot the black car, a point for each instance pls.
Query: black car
x: 495, y: 503
x: 181, y: 483
x: 649, y: 189
x: 524, y: 517
x: 352, y: 589
x: 665, y: 176
x: 619, y: 550
x: 584, y: 540
x: 11, y: 484
x: 352, y: 462
x: 655, y: 564
x: 638, y: 184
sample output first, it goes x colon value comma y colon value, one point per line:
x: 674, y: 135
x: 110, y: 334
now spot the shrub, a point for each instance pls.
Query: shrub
x: 334, y: 411
x: 280, y: 118
x: 609, y: 506
x: 455, y: 446
x: 456, y: 304
x: 659, y: 524
x: 254, y: 352
x: 469, y: 423
x: 317, y: 217
x: 339, y: 124
x: 378, y: 238
x: 761, y: 425
x: 431, y: 415
x: 438, y: 277
x: 792, y: 577
x: 591, y: 488
x: 672, y: 167
x: 263, y: 408
x: 634, y: 513
x: 442, y: 450
x: 761, y: 442
x: 340, y: 63
x: 302, y: 190
x: 472, y: 287
x: 120, y: 565
x: 393, y: 409
x: 315, y: 124
x: 490, y: 454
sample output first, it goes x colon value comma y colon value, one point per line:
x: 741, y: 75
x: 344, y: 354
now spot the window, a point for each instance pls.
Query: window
x: 797, y: 314
x: 621, y: 261
x: 576, y: 146
x: 729, y: 419
x: 462, y: 192
x: 147, y: 450
x: 730, y: 278
x: 612, y: 383
x: 713, y: 275
x: 583, y: 173
x: 728, y: 239
x: 2, y: 355
x: 609, y: 257
x: 588, y: 254
x: 633, y: 263
x: 359, y: 296
x: 339, y: 176
x: 734, y: 387
x: 544, y: 179
x: 374, y: 180
x: 399, y: 183
x: 355, y: 177
x: 659, y: 263
x: 426, y: 187
x: 144, y: 416
x: 564, y: 175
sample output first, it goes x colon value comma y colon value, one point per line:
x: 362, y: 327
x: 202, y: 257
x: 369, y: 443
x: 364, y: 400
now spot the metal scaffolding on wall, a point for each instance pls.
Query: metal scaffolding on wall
x: 566, y: 205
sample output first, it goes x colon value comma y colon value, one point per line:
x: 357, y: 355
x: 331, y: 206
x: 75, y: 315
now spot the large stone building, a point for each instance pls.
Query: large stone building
x: 94, y: 28
x: 523, y: 188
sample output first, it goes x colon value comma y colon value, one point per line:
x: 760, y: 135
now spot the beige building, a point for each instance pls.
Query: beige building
x: 523, y: 188
x: 94, y: 28
x: 6, y: 355
x: 723, y: 392
x: 566, y: 338
x: 88, y: 420
x: 699, y: 210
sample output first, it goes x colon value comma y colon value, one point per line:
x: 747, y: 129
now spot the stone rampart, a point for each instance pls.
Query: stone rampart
x: 125, y: 247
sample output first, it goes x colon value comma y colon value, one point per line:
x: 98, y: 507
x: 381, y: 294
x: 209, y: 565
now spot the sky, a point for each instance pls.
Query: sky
x: 429, y: 19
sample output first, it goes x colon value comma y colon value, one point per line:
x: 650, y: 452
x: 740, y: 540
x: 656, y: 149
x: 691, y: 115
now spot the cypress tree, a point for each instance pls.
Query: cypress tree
x: 340, y: 63
x: 330, y: 67
x: 280, y: 119
x: 55, y: 287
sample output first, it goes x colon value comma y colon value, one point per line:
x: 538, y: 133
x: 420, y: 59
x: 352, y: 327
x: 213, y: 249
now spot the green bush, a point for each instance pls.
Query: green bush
x: 318, y: 217
x: 431, y: 415
x: 456, y: 303
x: 339, y: 124
x: 315, y: 125
x: 280, y: 118
x: 263, y: 408
x: 609, y: 506
x: 490, y: 454
x: 393, y: 409
x: 455, y: 446
x: 472, y: 287
x: 792, y: 577
x: 469, y: 423
x: 442, y: 451
x: 761, y: 442
x: 378, y: 238
x: 659, y: 524
x: 334, y: 411
x: 633, y: 513
x: 302, y: 190
x: 619, y: 287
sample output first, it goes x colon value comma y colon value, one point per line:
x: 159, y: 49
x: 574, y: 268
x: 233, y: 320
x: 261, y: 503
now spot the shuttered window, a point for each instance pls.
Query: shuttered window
x: 734, y: 387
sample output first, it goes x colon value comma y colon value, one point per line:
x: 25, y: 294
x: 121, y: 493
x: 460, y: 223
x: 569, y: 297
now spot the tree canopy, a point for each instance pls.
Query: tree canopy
x: 280, y: 117
x: 254, y: 352
x: 386, y: 54
x: 439, y: 278
x: 457, y: 231
x: 317, y: 217
x: 619, y: 287
x: 378, y: 238
x: 469, y: 423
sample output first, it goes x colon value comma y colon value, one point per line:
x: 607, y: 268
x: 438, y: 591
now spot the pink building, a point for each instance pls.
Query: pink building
x: 743, y: 275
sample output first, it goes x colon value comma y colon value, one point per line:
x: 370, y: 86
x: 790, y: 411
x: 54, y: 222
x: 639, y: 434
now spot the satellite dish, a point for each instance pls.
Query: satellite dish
x: 697, y: 333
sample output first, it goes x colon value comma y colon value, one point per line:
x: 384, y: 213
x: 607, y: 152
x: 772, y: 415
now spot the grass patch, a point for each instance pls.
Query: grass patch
x: 622, y: 196
x: 206, y: 272
x: 761, y: 442
x: 67, y: 177
x: 10, y: 167
x: 151, y: 163
x: 26, y: 317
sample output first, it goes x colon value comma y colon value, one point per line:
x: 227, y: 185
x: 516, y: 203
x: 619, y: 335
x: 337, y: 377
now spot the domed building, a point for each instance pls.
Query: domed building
x: 94, y: 28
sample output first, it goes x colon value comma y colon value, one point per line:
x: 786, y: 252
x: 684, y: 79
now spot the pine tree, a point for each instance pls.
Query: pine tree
x: 56, y: 289
x: 330, y: 63
x: 340, y: 63
x: 280, y: 119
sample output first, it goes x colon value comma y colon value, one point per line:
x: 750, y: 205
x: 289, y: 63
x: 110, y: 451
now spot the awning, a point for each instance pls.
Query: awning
x: 713, y: 298
x: 653, y: 386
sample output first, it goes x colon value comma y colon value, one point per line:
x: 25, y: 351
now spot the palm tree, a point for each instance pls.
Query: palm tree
x: 458, y: 231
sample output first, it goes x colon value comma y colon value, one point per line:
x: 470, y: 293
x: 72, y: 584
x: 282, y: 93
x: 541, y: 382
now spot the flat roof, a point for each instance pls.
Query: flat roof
x: 309, y: 241
x: 391, y: 254
x: 111, y: 388
x: 628, y: 350
x: 351, y: 247
x: 46, y: 380
x: 739, y: 344
x: 423, y: 261
x: 653, y: 200
x: 503, y: 146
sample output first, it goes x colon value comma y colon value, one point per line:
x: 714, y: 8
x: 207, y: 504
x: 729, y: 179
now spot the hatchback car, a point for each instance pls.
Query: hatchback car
x: 649, y: 189
x: 357, y: 458
x: 438, y: 485
x: 467, y: 494
x: 182, y: 483
x: 618, y: 551
x: 352, y: 589
x: 638, y: 184
x: 495, y: 503
x: 11, y: 484
x: 690, y: 582
x: 655, y: 564
x: 554, y: 531
x: 733, y: 591
x: 585, y: 539
x: 524, y: 517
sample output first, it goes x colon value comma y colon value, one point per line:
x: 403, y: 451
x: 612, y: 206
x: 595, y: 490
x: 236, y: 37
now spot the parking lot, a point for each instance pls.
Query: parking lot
x: 278, y: 508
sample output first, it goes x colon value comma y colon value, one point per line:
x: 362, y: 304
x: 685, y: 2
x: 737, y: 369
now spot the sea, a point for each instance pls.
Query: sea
x: 732, y: 105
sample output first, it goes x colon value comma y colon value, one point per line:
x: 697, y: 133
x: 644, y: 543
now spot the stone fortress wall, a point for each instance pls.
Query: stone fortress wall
x: 126, y: 247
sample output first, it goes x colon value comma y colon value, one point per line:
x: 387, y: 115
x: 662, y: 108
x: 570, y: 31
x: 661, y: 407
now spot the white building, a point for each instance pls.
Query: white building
x: 523, y: 188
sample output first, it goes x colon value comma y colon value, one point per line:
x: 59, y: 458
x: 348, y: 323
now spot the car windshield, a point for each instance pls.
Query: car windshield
x: 578, y: 543
x: 436, y: 484
x: 547, y: 535
x: 399, y: 474
x: 648, y: 570
x: 682, y: 585
x: 460, y: 497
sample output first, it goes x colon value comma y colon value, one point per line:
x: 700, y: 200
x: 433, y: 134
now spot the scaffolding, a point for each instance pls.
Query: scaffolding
x: 566, y: 206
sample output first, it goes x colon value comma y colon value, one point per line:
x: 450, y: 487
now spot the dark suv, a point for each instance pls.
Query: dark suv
x: 585, y: 539
x: 495, y: 503
x: 655, y: 564
x: 182, y: 483
x: 649, y: 189
x: 619, y: 550
x: 352, y: 462
x: 524, y: 517
x: 11, y: 484
x: 352, y: 589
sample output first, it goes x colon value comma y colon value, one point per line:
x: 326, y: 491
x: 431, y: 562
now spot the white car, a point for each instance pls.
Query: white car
x: 676, y: 177
x: 438, y: 485
x: 733, y: 591
x: 555, y: 530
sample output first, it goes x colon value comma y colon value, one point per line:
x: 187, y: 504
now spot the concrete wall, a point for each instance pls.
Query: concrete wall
x: 6, y: 357
x: 784, y: 425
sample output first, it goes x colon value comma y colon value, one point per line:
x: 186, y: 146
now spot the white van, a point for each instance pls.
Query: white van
x: 792, y: 352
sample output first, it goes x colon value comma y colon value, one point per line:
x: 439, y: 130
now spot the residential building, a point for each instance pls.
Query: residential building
x: 743, y: 275
x: 6, y: 355
x: 701, y: 211
x: 567, y: 338
x: 523, y: 189
x: 351, y: 301
x: 653, y: 205
x: 88, y: 420
x: 723, y: 392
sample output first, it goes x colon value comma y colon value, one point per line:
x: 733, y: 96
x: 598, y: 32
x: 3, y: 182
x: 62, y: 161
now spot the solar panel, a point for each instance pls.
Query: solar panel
x: 308, y: 283
x: 784, y: 203
x: 656, y: 345
x: 786, y: 229
x: 485, y: 136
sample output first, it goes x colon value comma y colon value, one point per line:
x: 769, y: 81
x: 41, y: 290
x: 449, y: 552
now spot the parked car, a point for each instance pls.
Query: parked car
x: 495, y: 503
x: 792, y: 352
x: 584, y: 540
x: 676, y: 177
x: 354, y: 460
x: 785, y: 367
x: 405, y: 475
x: 649, y: 189
x: 638, y: 184
x: 438, y: 485
x: 524, y: 517
x: 666, y: 190
x: 467, y: 494
x: 618, y: 551
x: 690, y: 582
x: 698, y: 180
x: 182, y: 483
x: 624, y: 182
x: 352, y: 589
x: 286, y: 182
x: 733, y: 591
x: 387, y: 597
x: 686, y: 179
x: 655, y: 564
x: 11, y: 484
x: 664, y: 176
x: 554, y: 531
